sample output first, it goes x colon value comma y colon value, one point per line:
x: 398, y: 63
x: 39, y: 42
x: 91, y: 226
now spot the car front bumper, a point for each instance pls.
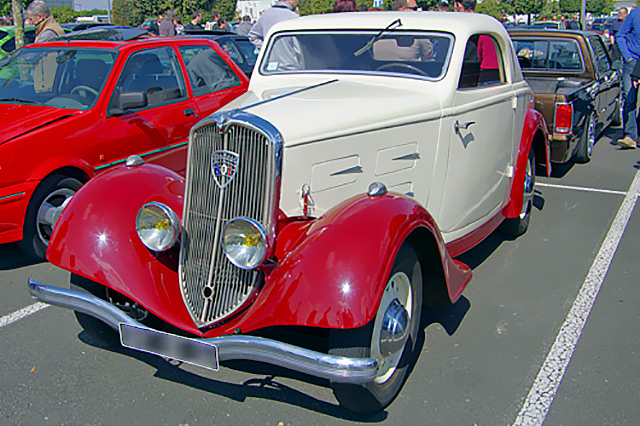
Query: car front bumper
x: 207, y: 352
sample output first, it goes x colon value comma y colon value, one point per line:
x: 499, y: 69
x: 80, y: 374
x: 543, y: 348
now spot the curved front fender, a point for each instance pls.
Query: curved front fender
x: 333, y: 270
x: 96, y: 237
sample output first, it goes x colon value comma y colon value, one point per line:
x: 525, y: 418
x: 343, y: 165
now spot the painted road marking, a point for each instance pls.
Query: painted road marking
x: 24, y: 312
x: 581, y: 188
x: 536, y: 406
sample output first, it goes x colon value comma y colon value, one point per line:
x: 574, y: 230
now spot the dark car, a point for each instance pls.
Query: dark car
x: 109, y: 33
x: 241, y: 50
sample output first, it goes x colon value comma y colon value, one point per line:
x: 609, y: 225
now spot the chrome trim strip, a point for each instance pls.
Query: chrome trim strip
x: 12, y: 195
x: 144, y: 154
x: 318, y: 364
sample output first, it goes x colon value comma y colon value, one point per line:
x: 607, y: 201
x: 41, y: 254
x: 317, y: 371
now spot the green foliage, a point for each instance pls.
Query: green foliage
x: 569, y: 6
x: 600, y: 7
x: 551, y: 9
x: 495, y: 8
x: 64, y: 14
x: 313, y: 7
x: 526, y: 7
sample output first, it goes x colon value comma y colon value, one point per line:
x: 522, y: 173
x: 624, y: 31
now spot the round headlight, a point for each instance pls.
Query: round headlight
x: 244, y: 241
x: 158, y: 226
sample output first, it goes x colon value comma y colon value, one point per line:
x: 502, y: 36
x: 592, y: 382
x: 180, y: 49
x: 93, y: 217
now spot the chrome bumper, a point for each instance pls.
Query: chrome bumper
x: 226, y: 348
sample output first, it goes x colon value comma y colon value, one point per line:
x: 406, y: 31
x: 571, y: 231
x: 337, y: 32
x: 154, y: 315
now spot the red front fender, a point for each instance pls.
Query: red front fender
x: 96, y: 237
x: 332, y: 271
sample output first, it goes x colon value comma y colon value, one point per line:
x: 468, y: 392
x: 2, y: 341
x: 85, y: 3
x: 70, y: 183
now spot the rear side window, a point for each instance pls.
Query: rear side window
x: 208, y: 72
x: 10, y: 45
x: 548, y: 55
x: 483, y: 64
x: 249, y: 50
x: 602, y: 58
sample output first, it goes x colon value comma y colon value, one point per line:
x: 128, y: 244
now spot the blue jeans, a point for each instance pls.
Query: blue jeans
x: 629, y: 112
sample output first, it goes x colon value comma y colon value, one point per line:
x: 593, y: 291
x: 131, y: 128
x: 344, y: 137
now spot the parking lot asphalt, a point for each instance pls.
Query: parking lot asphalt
x: 480, y: 358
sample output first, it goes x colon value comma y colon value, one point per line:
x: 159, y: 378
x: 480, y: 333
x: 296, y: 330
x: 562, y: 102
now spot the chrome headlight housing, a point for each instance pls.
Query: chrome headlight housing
x: 157, y: 226
x: 244, y: 242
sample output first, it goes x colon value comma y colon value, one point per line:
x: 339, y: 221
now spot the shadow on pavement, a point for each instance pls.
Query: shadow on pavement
x: 11, y: 257
x: 266, y: 387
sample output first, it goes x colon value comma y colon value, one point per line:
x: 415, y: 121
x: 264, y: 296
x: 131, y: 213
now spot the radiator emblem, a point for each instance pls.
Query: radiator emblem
x: 224, y: 165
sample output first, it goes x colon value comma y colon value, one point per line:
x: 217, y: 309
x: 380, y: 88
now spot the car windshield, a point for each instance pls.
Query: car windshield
x: 402, y: 53
x: 61, y: 77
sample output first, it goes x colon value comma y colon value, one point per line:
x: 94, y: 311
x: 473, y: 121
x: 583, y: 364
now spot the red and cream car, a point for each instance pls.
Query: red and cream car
x: 332, y: 197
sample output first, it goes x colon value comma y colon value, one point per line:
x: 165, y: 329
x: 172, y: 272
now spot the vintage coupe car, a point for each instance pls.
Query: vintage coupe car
x: 74, y: 108
x: 331, y: 198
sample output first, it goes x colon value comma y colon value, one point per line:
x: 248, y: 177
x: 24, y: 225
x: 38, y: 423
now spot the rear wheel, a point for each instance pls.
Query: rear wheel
x: 393, y: 347
x: 518, y: 225
x: 587, y: 141
x: 43, y: 211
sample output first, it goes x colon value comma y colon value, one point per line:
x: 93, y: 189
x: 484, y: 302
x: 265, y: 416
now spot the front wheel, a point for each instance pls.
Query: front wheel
x: 518, y: 225
x: 390, y: 338
x: 43, y: 211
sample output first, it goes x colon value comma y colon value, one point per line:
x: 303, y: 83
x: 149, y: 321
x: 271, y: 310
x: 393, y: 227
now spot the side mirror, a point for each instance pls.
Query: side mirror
x: 128, y: 100
x: 131, y: 100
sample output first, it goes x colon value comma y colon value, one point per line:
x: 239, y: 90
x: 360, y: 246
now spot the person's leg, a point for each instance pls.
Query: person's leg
x: 629, y: 115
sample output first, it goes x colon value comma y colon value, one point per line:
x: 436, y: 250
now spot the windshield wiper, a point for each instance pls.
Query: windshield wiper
x: 24, y: 101
x: 376, y: 37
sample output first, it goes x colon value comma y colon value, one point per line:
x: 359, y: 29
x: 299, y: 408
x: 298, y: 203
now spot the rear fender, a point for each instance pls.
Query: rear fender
x: 96, y: 237
x: 331, y: 272
x: 534, y: 136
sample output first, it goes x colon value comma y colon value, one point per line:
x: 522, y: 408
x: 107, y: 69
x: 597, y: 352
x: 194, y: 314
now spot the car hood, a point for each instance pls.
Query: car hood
x: 18, y: 120
x: 338, y: 108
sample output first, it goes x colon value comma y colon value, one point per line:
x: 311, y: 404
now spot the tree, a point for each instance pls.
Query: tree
x: 64, y: 14
x: 16, y: 8
x: 495, y: 8
x: 569, y: 6
x: 600, y: 7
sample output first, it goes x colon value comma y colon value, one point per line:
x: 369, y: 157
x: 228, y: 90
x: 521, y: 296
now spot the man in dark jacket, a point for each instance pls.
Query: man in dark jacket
x: 628, y: 40
x: 196, y: 18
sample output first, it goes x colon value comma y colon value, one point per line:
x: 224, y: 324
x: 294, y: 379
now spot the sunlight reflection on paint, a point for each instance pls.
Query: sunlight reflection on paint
x: 346, y: 288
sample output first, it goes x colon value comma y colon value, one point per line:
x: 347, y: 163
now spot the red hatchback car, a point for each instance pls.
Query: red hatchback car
x: 72, y: 109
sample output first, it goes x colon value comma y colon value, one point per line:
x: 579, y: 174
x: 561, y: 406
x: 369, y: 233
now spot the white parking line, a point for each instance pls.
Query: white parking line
x: 24, y: 312
x: 536, y: 406
x: 580, y: 188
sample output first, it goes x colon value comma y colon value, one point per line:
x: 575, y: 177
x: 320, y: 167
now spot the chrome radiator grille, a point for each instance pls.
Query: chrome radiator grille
x: 212, y: 287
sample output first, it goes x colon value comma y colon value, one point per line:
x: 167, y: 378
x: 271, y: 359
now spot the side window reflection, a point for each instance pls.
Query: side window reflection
x: 208, y: 72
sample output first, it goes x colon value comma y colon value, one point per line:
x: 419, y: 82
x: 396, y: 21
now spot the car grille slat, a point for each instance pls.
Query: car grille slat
x: 212, y: 287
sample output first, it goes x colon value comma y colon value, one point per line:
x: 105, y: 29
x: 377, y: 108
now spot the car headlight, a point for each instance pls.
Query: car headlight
x: 244, y: 242
x: 158, y: 226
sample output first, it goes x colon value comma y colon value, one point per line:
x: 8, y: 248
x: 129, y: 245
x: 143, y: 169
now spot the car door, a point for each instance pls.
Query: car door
x: 149, y: 111
x: 214, y: 82
x: 608, y: 82
x: 481, y: 143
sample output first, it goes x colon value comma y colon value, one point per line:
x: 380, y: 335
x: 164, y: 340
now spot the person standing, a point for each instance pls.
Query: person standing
x: 166, y: 27
x: 196, y: 18
x: 213, y: 24
x: 628, y: 40
x: 443, y: 6
x: 154, y: 28
x: 344, y: 6
x: 615, y: 29
x: 46, y: 27
x: 244, y: 27
x: 280, y: 11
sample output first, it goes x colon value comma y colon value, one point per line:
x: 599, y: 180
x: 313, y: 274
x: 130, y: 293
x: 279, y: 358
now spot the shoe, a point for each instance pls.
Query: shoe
x: 627, y: 142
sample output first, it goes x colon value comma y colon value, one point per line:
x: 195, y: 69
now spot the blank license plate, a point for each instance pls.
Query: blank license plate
x: 169, y: 345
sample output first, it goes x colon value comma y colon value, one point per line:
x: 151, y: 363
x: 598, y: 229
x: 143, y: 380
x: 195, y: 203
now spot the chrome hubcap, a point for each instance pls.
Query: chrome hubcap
x: 528, y: 190
x: 50, y: 211
x: 391, y: 326
x: 591, y: 135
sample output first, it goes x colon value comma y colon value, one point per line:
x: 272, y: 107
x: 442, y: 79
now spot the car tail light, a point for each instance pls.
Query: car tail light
x: 563, y: 118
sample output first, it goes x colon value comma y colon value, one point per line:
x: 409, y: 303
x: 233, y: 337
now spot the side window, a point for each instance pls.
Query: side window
x: 483, y: 64
x: 153, y: 73
x: 602, y: 58
x: 232, y: 50
x: 564, y: 55
x: 249, y: 50
x: 208, y: 72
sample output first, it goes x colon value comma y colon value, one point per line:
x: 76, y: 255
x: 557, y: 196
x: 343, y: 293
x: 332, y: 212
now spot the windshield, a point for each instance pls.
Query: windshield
x: 415, y: 54
x: 61, y: 77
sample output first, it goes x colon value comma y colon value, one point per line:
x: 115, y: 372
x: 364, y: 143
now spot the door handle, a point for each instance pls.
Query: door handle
x: 189, y: 112
x: 465, y: 126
